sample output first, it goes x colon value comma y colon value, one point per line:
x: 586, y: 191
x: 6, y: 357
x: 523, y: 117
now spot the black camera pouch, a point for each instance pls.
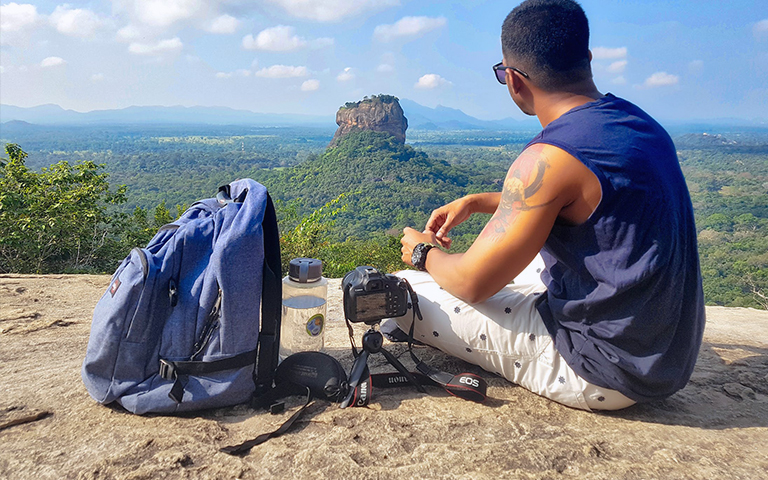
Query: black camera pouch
x: 310, y: 374
x: 321, y: 373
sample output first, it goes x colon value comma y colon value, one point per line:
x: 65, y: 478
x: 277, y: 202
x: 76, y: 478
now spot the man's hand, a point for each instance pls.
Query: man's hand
x: 448, y: 216
x: 412, y: 238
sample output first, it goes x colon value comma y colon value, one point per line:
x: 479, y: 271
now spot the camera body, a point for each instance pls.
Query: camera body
x: 370, y: 296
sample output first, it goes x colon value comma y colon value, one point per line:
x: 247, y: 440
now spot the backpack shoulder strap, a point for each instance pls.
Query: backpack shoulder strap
x: 271, y: 297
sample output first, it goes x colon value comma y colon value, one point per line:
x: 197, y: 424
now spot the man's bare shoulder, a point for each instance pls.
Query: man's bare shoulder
x: 568, y: 178
x: 543, y: 171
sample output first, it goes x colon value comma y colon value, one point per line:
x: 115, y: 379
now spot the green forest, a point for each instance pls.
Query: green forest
x: 77, y: 199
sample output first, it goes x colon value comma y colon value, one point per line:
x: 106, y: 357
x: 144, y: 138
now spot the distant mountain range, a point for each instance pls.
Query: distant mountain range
x: 445, y: 118
x: 419, y: 117
x: 55, y: 115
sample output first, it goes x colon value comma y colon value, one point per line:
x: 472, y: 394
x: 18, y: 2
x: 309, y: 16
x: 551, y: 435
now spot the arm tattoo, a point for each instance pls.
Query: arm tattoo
x: 523, y: 181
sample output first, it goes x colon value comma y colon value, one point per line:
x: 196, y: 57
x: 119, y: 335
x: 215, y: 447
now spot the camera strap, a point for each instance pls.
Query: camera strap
x: 309, y: 374
x: 464, y: 385
x: 245, y: 447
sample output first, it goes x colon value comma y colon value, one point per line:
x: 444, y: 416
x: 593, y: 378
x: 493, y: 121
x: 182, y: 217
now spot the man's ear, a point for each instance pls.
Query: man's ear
x: 517, y: 81
x: 590, y: 55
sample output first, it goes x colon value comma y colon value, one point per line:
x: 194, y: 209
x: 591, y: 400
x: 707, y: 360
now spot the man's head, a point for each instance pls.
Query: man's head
x: 549, y: 40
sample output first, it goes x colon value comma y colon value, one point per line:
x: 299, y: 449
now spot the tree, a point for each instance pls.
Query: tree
x: 162, y: 215
x: 760, y: 297
x: 310, y: 236
x: 55, y: 220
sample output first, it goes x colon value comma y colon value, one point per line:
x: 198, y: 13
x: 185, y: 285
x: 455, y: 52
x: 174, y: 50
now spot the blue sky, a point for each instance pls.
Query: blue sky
x: 679, y: 60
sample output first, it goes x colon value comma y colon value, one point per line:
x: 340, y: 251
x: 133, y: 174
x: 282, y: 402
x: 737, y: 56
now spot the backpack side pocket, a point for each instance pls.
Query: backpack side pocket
x: 113, y: 318
x: 138, y: 329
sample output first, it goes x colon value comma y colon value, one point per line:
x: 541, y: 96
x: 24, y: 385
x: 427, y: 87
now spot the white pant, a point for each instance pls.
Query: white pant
x: 505, y: 335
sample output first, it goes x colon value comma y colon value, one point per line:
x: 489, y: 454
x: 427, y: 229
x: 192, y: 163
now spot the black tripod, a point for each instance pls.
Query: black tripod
x: 372, y: 343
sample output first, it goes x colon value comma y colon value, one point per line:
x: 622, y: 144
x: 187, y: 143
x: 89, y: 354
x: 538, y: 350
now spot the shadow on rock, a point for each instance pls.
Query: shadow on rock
x: 728, y: 389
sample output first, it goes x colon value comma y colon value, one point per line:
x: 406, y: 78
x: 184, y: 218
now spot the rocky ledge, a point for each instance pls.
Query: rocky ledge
x: 716, y: 427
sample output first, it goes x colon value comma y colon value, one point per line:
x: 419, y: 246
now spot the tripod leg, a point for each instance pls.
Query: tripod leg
x: 401, y: 368
x: 354, y: 377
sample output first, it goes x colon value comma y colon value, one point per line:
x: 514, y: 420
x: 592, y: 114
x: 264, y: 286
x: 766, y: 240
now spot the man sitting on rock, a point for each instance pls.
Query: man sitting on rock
x: 599, y: 193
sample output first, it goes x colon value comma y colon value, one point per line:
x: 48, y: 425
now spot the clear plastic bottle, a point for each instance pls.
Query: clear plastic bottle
x: 305, y: 292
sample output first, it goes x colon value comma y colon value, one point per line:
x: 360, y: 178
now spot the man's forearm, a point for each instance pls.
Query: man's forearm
x: 486, y: 202
x: 451, y: 273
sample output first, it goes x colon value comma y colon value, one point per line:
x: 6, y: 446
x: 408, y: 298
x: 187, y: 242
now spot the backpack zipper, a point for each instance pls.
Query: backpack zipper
x: 211, y: 324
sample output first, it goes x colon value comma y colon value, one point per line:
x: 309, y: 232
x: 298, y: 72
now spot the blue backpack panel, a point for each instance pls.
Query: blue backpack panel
x: 192, y: 321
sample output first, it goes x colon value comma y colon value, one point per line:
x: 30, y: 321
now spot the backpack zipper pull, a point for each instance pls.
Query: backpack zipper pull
x: 173, y: 292
x: 210, y: 326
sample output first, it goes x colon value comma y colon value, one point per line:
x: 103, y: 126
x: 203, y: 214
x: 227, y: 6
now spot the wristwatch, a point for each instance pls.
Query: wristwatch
x: 419, y: 255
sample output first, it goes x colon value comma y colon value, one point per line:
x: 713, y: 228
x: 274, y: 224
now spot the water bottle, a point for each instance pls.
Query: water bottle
x: 304, y: 307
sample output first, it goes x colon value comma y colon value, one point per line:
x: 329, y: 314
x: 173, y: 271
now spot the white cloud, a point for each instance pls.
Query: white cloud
x: 430, y: 81
x: 52, y: 62
x: 163, y: 46
x: 15, y: 17
x: 239, y: 73
x: 310, y: 85
x: 129, y: 33
x: 604, y: 53
x: 282, y: 38
x: 346, y: 75
x: 225, y: 24
x: 620, y: 80
x: 97, y: 77
x: 282, y: 71
x: 760, y: 29
x: 408, y: 27
x: 150, y: 19
x: 276, y: 39
x: 2, y: 69
x: 617, y: 66
x: 330, y: 10
x: 387, y: 63
x: 162, y: 13
x: 75, y: 22
x: 661, y: 79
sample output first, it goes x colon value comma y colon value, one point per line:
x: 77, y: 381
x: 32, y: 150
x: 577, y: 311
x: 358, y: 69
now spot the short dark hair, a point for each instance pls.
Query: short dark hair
x: 550, y: 41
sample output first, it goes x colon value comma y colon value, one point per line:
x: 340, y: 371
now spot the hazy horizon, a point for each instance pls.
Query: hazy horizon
x: 761, y: 123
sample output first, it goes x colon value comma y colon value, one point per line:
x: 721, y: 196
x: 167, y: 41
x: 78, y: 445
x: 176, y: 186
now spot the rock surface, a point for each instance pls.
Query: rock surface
x: 379, y: 114
x: 717, y: 427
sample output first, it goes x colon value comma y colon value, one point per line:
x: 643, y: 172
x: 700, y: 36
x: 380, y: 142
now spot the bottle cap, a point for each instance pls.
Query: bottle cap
x: 305, y: 270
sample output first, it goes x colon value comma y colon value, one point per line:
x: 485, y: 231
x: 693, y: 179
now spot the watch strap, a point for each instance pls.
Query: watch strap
x: 419, y: 256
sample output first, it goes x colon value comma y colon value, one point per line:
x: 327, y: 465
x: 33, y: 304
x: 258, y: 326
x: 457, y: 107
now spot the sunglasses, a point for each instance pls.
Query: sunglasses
x: 501, y: 72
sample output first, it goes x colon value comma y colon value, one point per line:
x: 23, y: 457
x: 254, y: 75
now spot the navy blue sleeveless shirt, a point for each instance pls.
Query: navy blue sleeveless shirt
x: 624, y: 302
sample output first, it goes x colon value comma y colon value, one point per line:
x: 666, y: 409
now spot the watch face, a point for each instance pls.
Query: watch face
x: 419, y: 256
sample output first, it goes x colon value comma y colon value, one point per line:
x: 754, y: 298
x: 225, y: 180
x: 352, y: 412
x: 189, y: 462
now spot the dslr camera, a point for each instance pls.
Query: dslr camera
x: 370, y: 296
